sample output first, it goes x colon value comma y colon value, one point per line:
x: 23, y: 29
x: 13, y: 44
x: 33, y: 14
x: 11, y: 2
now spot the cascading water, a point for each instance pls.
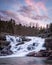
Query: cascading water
x: 22, y: 48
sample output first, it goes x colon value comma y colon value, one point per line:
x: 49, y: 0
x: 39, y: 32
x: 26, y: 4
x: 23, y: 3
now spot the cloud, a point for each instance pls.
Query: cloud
x: 25, y: 11
x: 33, y: 5
x: 42, y: 6
x: 23, y: 19
x: 37, y: 6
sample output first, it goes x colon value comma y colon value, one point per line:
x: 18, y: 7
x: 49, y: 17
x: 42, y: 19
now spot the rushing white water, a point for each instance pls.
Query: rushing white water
x: 35, y: 44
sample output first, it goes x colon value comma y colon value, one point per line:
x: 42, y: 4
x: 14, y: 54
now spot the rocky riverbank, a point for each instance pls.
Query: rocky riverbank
x: 4, y: 46
x: 44, y: 53
x: 48, y: 44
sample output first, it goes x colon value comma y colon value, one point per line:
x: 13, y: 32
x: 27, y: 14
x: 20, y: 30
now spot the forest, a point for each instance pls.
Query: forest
x: 10, y: 27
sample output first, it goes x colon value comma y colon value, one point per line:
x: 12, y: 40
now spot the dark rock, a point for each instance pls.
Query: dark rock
x: 1, y: 48
x: 49, y: 34
x: 11, y: 39
x: 6, y: 52
x: 29, y: 48
x: 5, y: 48
x: 50, y: 57
x: 20, y: 43
x: 48, y: 42
x: 2, y: 37
x: 25, y: 39
x: 9, y: 46
x: 19, y: 40
x: 4, y: 43
x: 42, y: 53
x: 34, y: 44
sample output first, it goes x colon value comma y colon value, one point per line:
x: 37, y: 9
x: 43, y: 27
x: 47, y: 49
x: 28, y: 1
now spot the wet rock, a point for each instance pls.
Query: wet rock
x: 39, y: 54
x: 5, y: 48
x: 31, y: 54
x: 12, y: 39
x: 42, y: 53
x: 30, y: 47
x: 34, y: 44
x: 20, y: 43
x: 6, y: 52
x: 25, y: 39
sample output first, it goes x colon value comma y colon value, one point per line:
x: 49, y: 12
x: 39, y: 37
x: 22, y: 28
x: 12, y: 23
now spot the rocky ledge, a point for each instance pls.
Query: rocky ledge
x: 4, y: 46
x: 42, y: 53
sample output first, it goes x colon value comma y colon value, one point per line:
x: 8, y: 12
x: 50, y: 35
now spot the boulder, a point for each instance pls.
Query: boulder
x: 42, y: 53
x: 31, y: 54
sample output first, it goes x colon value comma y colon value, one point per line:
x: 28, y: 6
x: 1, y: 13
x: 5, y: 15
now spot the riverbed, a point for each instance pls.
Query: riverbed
x: 25, y: 61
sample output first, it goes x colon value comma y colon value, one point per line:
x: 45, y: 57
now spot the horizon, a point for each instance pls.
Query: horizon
x: 27, y: 11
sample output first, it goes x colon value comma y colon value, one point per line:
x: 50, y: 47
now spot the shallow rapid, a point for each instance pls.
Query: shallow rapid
x: 21, y: 48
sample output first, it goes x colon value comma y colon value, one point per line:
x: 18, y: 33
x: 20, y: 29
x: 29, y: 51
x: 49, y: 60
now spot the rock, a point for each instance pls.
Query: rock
x: 39, y: 54
x: 4, y: 43
x: 34, y: 44
x: 25, y: 39
x: 5, y: 48
x: 50, y: 57
x: 42, y: 53
x: 2, y: 37
x: 48, y: 42
x: 29, y: 48
x: 20, y: 43
x: 9, y: 46
x: 1, y: 48
x: 5, y: 52
x: 31, y: 54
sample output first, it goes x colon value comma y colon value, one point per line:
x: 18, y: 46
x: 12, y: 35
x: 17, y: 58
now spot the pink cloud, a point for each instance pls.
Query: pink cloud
x: 37, y: 6
x: 29, y: 2
x: 33, y: 5
x: 42, y: 6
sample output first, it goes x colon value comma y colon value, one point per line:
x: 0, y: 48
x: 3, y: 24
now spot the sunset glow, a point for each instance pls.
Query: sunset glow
x: 27, y: 11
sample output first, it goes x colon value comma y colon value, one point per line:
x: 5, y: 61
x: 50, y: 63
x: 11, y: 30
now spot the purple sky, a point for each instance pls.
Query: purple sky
x: 27, y: 11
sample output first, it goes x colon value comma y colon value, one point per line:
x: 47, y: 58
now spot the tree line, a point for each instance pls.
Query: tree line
x: 18, y: 29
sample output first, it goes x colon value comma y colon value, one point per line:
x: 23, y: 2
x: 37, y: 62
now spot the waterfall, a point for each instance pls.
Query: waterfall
x: 21, y: 48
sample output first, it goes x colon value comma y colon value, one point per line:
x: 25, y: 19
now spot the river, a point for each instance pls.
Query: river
x: 25, y: 61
